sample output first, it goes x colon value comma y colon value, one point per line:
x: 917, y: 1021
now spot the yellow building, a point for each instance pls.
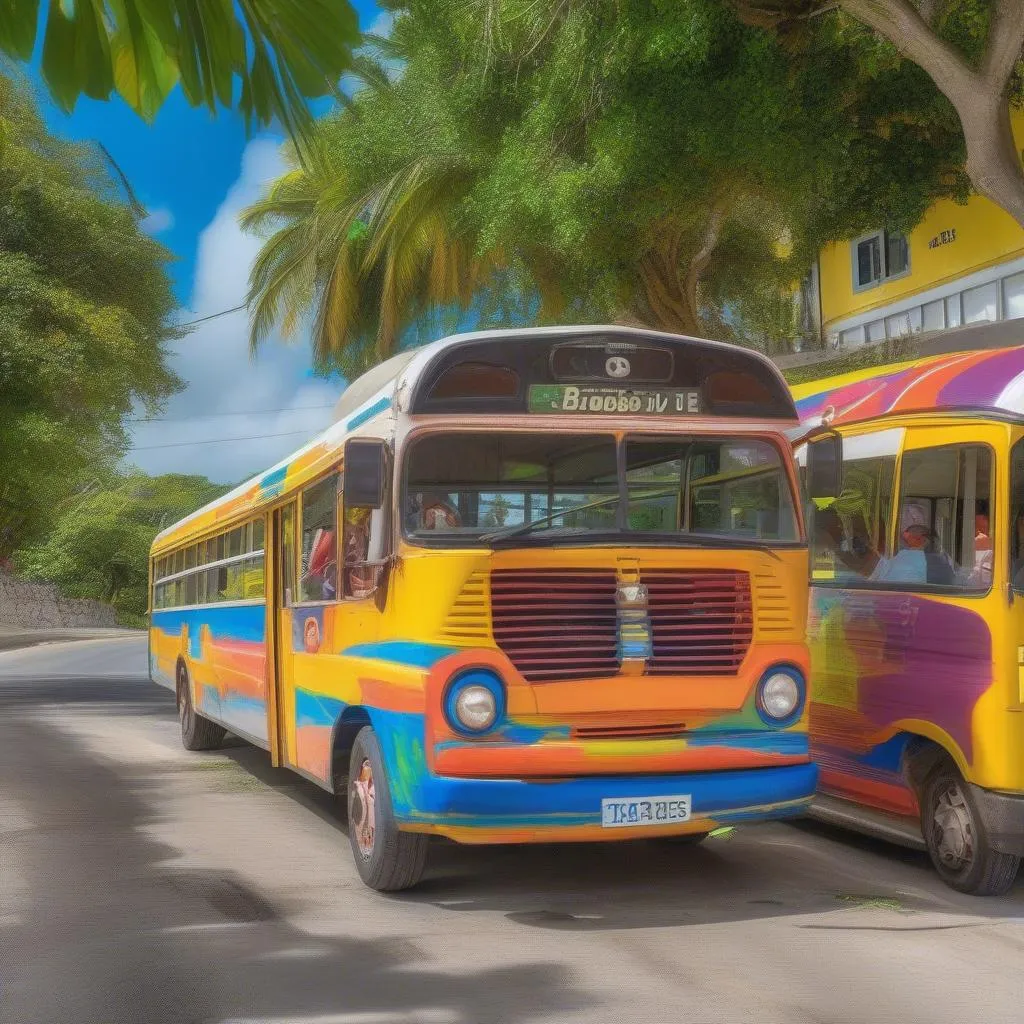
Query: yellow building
x: 960, y: 265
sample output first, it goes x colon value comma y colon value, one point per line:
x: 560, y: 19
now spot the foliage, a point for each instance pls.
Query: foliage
x: 265, y: 56
x: 591, y: 160
x: 967, y: 52
x: 99, y: 544
x: 893, y: 350
x: 84, y: 302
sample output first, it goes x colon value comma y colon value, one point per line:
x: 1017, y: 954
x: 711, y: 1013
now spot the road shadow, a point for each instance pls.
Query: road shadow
x: 102, y: 922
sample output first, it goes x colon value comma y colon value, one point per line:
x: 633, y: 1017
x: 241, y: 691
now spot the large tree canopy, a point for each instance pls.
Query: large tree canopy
x: 613, y: 159
x: 970, y: 49
x: 84, y: 307
x: 265, y: 56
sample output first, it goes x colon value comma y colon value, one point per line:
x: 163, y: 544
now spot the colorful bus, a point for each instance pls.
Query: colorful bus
x: 531, y: 586
x: 917, y: 610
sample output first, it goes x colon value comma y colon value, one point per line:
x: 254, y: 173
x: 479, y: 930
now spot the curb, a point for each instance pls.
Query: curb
x: 16, y: 641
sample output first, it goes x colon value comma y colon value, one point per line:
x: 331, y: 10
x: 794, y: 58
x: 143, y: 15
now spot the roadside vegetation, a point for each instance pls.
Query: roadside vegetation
x: 85, y: 318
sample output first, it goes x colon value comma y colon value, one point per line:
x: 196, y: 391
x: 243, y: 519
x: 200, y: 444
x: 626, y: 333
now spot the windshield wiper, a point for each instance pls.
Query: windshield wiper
x: 524, y: 528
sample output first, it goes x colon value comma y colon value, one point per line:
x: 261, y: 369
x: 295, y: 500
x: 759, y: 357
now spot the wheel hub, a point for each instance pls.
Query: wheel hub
x: 953, y: 828
x: 362, y: 816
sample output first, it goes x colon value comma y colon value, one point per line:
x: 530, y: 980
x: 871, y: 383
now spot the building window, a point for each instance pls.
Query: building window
x: 878, y: 257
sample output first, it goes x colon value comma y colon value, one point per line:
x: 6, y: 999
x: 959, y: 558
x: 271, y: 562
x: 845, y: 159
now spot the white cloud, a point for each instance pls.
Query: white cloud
x: 214, y: 361
x: 382, y: 24
x: 160, y: 219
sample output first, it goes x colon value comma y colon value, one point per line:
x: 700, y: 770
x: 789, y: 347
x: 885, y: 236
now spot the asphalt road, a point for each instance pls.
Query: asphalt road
x: 142, y: 884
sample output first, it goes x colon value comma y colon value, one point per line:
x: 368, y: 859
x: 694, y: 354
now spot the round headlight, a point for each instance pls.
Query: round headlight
x: 476, y: 708
x: 780, y: 695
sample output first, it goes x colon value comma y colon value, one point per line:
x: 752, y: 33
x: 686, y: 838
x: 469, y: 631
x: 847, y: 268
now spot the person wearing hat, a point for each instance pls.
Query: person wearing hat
x: 915, y: 562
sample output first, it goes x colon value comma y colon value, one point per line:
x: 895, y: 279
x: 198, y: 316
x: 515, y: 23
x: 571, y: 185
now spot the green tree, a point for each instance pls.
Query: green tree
x: 267, y: 57
x: 610, y: 159
x: 84, y: 304
x: 971, y: 51
x: 99, y: 543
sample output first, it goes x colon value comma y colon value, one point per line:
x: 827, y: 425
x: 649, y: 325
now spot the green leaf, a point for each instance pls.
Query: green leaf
x: 144, y: 71
x: 18, y: 22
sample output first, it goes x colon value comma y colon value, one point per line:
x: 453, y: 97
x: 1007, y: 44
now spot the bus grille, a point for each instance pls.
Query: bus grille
x: 556, y: 624
x: 559, y: 624
x: 701, y: 620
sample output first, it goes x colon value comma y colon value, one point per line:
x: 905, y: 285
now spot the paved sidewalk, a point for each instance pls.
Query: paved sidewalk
x: 13, y: 637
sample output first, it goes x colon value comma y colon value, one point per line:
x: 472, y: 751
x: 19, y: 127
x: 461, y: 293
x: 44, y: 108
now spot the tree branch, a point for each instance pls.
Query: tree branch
x: 1005, y: 41
x: 901, y: 23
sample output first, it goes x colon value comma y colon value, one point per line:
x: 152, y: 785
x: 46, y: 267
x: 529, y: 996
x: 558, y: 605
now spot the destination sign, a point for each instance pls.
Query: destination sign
x: 587, y: 398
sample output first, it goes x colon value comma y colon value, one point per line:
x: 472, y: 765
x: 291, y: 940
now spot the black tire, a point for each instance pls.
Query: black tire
x: 197, y: 733
x: 387, y: 859
x: 956, y: 839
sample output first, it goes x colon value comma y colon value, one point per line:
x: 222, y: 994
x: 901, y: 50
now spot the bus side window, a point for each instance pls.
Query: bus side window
x: 318, y: 579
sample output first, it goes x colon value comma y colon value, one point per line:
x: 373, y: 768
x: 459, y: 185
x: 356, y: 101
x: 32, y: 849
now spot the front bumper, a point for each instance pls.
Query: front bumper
x: 561, y: 810
x: 1003, y: 817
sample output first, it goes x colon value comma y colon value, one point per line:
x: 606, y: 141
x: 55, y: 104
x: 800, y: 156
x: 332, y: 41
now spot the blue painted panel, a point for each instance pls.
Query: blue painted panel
x: 403, y: 652
x: 367, y: 414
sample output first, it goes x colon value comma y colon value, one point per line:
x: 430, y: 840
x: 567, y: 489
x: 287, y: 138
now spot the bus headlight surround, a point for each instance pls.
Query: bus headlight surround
x: 780, y: 695
x: 475, y: 702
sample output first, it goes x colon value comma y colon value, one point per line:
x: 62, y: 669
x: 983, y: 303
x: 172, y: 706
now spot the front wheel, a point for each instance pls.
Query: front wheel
x: 956, y: 838
x: 386, y: 858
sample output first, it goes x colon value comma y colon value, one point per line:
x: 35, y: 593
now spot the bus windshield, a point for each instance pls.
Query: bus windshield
x: 464, y: 489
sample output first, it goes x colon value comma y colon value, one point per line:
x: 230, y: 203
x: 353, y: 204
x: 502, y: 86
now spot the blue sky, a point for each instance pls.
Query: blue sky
x: 194, y: 172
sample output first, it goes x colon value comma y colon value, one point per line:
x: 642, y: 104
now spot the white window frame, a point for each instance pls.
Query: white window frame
x: 880, y: 235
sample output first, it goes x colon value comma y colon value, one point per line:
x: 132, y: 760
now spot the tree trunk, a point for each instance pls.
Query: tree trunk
x: 981, y: 97
x: 671, y: 292
x: 993, y: 160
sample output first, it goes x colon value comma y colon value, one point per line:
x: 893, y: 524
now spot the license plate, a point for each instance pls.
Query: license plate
x: 634, y: 811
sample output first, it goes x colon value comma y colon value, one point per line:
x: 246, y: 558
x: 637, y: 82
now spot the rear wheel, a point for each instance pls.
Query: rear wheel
x: 197, y: 733
x: 387, y: 859
x: 956, y: 837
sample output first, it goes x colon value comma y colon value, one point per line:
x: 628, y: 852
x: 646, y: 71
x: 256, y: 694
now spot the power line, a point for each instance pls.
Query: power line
x: 217, y: 440
x: 212, y: 316
x: 241, y: 412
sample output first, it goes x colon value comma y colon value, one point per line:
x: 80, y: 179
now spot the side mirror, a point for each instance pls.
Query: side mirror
x: 364, y: 474
x: 825, y: 466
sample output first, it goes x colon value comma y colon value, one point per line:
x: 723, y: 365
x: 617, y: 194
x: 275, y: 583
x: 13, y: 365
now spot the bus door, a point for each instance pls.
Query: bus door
x: 285, y: 584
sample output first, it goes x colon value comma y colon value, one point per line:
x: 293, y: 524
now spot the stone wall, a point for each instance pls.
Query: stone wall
x: 40, y: 606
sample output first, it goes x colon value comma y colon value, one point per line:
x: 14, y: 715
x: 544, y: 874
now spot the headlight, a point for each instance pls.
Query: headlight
x: 475, y: 701
x: 475, y: 708
x: 780, y: 695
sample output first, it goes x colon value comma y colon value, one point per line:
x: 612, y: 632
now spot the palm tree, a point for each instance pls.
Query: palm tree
x: 265, y: 56
x: 363, y: 256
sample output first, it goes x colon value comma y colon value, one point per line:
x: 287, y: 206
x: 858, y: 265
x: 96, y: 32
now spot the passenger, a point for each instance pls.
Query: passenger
x: 910, y: 563
x: 438, y: 512
x: 981, y: 575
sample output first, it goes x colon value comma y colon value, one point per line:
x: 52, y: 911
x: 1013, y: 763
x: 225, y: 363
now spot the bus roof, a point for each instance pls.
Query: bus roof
x: 498, y: 372
x: 988, y: 382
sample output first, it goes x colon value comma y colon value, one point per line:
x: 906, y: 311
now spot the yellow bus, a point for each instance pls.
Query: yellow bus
x: 531, y: 586
x: 917, y: 610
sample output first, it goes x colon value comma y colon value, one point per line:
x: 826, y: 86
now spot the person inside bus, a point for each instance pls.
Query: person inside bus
x: 431, y: 510
x: 916, y: 561
x: 981, y: 574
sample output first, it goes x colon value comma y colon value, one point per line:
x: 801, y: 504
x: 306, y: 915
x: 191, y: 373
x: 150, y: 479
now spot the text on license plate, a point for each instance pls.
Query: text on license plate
x: 630, y: 811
